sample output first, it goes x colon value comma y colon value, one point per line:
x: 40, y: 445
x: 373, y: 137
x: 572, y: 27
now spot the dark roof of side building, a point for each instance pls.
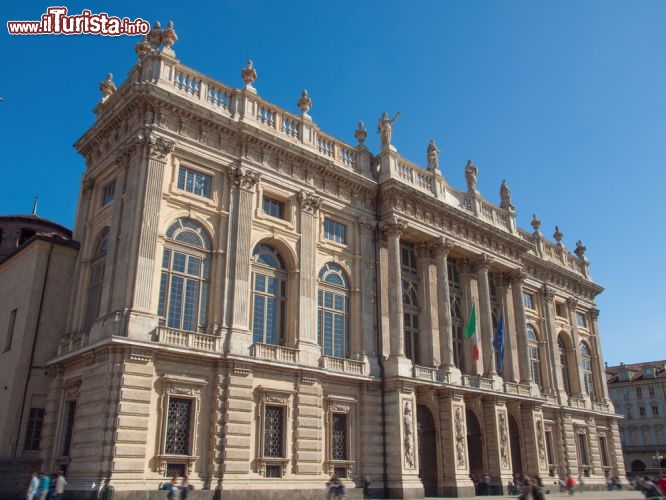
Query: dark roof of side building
x: 36, y: 219
x: 636, y: 371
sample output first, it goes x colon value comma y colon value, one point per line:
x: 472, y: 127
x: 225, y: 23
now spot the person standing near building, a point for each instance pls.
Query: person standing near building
x: 44, y: 484
x: 60, y: 484
x: 33, y: 487
x: 571, y: 485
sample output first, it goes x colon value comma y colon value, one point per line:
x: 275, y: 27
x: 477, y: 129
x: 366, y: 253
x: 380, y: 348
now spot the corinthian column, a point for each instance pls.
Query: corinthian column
x: 441, y: 248
x: 245, y: 183
x: 521, y: 327
x: 307, y: 334
x: 482, y: 266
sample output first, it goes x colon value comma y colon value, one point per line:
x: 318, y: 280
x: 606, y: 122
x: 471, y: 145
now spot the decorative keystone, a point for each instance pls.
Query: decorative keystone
x: 107, y: 87
x: 536, y: 224
x: 169, y: 37
x: 249, y: 75
x: 304, y: 103
x: 558, y: 235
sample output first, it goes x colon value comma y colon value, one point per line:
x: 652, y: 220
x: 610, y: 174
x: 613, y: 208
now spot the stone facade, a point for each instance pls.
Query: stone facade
x: 260, y: 305
x: 637, y: 391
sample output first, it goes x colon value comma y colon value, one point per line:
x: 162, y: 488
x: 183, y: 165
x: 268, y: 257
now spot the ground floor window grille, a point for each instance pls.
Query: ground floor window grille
x: 339, y: 442
x: 273, y: 433
x: 341, y: 472
x: 176, y: 470
x: 178, y: 426
x: 34, y: 431
x: 273, y: 471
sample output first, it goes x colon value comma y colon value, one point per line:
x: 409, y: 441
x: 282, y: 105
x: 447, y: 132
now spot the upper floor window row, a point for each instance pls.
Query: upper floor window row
x: 581, y: 320
x: 528, y: 300
x: 108, y: 193
x: 194, y: 182
x: 273, y: 207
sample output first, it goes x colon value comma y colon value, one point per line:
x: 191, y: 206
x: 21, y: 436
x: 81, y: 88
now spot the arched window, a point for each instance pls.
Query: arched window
x: 269, y: 291
x: 564, y: 365
x: 586, y: 360
x: 96, y: 281
x: 410, y: 302
x: 533, y: 350
x: 183, y: 302
x: 333, y: 311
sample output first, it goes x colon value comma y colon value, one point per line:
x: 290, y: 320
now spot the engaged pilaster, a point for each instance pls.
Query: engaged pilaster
x: 441, y: 249
x: 245, y: 184
x: 307, y: 333
x: 517, y: 281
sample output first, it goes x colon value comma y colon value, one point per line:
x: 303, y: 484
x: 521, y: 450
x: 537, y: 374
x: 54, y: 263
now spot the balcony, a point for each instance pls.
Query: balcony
x: 190, y: 340
x: 274, y: 353
x: 431, y: 374
x: 343, y: 365
x: 477, y: 382
x: 518, y: 389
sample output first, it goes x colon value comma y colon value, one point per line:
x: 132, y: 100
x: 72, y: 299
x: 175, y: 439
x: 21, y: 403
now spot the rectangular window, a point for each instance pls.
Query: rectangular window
x: 604, y: 451
x: 194, y: 182
x: 339, y: 437
x: 528, y: 300
x: 582, y: 449
x: 581, y: 320
x: 642, y: 411
x: 549, y: 448
x: 639, y: 392
x: 335, y: 231
x: 626, y: 393
x: 34, y: 431
x: 70, y: 409
x: 179, y: 416
x: 655, y: 411
x: 109, y: 193
x: 560, y: 310
x: 10, y: 330
x: 274, y: 432
x: 651, y: 391
x: 274, y: 208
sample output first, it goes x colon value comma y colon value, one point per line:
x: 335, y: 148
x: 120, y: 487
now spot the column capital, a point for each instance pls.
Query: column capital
x: 310, y: 202
x: 422, y: 249
x: 548, y: 293
x: 366, y: 222
x: 158, y: 147
x: 245, y: 179
x: 572, y: 303
x: 393, y: 226
x: 441, y: 246
x: 595, y: 313
x: 518, y: 277
x: 484, y: 262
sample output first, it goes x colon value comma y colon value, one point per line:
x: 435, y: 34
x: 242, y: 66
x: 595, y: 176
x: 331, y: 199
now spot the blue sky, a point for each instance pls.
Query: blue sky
x: 563, y: 99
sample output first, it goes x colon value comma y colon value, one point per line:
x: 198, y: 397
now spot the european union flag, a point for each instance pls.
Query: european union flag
x: 498, y: 343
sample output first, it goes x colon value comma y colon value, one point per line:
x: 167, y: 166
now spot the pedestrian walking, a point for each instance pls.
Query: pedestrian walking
x: 33, y: 487
x: 60, y: 483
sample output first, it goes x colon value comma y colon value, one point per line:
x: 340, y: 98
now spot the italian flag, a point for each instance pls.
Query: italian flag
x: 470, y: 332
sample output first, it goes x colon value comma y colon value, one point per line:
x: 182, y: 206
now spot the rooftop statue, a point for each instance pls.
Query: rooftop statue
x: 385, y: 128
x: 433, y: 156
x: 471, y: 173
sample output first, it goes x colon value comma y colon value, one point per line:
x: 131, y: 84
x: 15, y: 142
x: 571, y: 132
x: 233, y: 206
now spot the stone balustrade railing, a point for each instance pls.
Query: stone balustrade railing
x: 191, y: 340
x: 431, y: 374
x: 275, y: 353
x: 553, y: 252
x: 344, y: 365
x: 518, y: 389
x: 577, y: 403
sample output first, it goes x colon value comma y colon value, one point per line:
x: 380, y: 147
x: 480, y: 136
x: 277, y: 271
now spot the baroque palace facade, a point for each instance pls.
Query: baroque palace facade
x: 259, y: 305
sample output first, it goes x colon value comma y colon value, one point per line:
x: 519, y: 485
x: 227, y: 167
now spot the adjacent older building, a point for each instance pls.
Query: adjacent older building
x: 638, y: 393
x: 259, y: 305
x: 37, y: 259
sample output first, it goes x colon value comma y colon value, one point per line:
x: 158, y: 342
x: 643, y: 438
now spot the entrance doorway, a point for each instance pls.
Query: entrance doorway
x: 516, y: 453
x: 474, y: 444
x: 427, y: 450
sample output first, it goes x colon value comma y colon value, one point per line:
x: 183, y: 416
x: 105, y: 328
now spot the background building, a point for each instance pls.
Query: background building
x: 260, y: 305
x: 637, y: 391
x: 36, y: 269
